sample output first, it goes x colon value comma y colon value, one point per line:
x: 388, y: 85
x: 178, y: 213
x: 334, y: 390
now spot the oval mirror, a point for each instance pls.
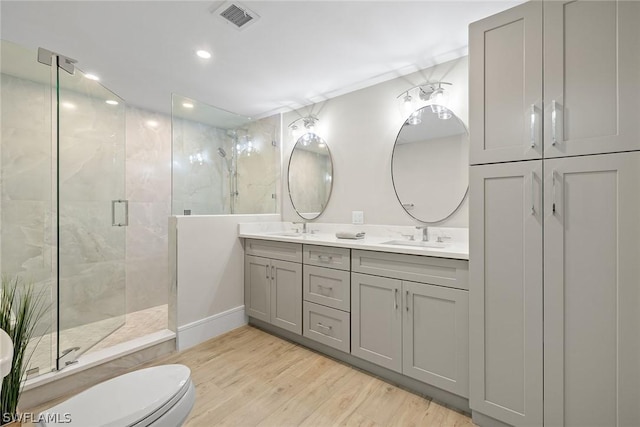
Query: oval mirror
x: 430, y: 164
x: 310, y: 176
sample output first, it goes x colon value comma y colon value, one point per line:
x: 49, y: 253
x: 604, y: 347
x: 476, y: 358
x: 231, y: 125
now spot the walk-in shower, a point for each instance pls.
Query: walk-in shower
x: 63, y: 207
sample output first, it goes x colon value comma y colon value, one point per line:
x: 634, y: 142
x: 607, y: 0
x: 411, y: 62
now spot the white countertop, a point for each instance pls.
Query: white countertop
x: 375, y: 240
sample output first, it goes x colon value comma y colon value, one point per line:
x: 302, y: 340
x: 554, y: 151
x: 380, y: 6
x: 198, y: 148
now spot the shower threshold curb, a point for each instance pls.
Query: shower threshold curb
x: 101, y: 357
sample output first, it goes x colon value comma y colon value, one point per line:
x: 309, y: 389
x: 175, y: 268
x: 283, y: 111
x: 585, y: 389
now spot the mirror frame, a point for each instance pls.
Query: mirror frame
x: 393, y: 150
x: 289, y: 178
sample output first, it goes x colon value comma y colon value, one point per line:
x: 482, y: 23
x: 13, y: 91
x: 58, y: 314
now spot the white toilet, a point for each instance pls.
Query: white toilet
x: 161, y: 396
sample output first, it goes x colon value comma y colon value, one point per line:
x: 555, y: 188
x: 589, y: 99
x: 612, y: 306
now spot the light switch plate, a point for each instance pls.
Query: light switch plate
x: 357, y: 217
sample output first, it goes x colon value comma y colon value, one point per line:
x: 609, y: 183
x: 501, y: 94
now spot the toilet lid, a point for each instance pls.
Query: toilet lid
x: 124, y: 400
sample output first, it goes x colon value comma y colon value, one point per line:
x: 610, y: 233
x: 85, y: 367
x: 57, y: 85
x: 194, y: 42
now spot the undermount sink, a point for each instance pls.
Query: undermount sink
x: 287, y: 234
x: 416, y: 243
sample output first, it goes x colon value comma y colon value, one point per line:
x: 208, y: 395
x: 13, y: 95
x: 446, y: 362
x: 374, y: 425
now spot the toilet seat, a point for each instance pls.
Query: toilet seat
x: 137, y: 399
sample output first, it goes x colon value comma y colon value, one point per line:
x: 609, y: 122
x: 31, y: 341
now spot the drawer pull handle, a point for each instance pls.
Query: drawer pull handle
x: 395, y: 299
x: 325, y: 258
x: 267, y: 271
x: 407, y: 298
x: 326, y: 287
x: 533, y: 125
x: 272, y: 275
x: 320, y: 325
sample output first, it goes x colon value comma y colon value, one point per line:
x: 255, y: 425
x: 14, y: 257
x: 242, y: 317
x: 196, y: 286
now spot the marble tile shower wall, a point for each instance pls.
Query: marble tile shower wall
x: 95, y: 264
x: 201, y: 177
x: 25, y: 178
x: 259, y: 172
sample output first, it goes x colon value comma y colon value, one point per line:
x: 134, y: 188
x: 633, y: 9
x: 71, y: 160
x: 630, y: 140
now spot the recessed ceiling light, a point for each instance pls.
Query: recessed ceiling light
x: 152, y: 123
x: 92, y: 77
x: 203, y: 54
x: 111, y: 102
x: 187, y: 105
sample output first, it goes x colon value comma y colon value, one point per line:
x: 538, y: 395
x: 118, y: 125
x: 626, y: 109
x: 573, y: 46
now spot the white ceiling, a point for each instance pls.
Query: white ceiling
x: 297, y: 53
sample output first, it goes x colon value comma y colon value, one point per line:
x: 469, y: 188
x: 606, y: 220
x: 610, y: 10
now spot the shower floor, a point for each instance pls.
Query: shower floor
x: 136, y: 325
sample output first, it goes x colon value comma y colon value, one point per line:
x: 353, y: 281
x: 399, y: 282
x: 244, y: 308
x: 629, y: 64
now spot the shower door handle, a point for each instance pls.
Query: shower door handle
x: 113, y: 213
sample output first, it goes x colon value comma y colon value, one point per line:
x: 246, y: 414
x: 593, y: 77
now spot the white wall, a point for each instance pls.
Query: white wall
x: 360, y: 129
x: 208, y: 274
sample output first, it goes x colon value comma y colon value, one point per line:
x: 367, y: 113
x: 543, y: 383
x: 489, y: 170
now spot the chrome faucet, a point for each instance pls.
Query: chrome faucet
x: 425, y: 232
x: 304, y: 226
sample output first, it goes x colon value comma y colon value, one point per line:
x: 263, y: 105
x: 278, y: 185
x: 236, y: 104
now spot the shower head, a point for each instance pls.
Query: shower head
x: 221, y: 152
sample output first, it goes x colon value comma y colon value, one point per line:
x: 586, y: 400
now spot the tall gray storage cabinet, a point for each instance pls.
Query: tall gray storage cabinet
x: 555, y: 214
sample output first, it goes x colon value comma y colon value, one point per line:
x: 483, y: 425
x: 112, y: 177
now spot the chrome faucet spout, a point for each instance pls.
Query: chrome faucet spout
x: 304, y: 226
x: 425, y: 232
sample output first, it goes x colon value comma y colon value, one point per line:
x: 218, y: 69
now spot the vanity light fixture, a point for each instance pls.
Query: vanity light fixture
x: 309, y: 123
x: 92, y: 77
x: 187, y: 105
x: 111, y: 102
x: 430, y: 93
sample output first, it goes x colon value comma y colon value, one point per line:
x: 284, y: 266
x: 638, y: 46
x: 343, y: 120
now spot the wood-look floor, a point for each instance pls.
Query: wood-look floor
x: 248, y: 377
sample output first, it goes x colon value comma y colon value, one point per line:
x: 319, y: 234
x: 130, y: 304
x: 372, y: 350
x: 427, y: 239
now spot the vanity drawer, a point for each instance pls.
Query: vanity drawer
x: 276, y: 250
x: 326, y: 256
x: 327, y: 326
x: 453, y: 273
x: 327, y: 287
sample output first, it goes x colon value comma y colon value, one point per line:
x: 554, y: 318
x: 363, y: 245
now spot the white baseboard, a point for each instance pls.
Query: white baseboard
x: 210, y: 327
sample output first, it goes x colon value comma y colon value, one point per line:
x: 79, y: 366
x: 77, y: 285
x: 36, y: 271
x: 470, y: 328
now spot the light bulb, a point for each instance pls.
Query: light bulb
x: 415, y: 118
x: 407, y: 105
x: 439, y: 97
x: 444, y: 113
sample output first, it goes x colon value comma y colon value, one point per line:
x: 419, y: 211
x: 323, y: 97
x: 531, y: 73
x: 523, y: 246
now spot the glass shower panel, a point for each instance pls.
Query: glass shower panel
x: 92, y: 213
x: 223, y: 163
x: 26, y: 199
x: 258, y: 166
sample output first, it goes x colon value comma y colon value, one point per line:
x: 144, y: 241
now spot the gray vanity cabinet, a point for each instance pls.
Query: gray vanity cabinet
x: 376, y: 320
x: 273, y: 287
x: 327, y: 295
x: 435, y: 331
x: 418, y: 329
x: 257, y: 287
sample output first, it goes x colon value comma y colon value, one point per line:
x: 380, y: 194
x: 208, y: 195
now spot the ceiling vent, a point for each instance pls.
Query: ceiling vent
x: 235, y: 13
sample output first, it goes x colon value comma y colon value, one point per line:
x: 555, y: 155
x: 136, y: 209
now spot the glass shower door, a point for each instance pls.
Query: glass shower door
x: 92, y: 214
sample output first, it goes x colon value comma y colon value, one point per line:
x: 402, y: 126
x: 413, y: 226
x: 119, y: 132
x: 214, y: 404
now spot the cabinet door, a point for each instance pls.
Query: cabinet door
x: 592, y: 291
x: 257, y: 288
x: 286, y: 295
x: 435, y: 345
x: 505, y: 292
x: 591, y: 77
x: 505, y: 85
x: 376, y: 320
